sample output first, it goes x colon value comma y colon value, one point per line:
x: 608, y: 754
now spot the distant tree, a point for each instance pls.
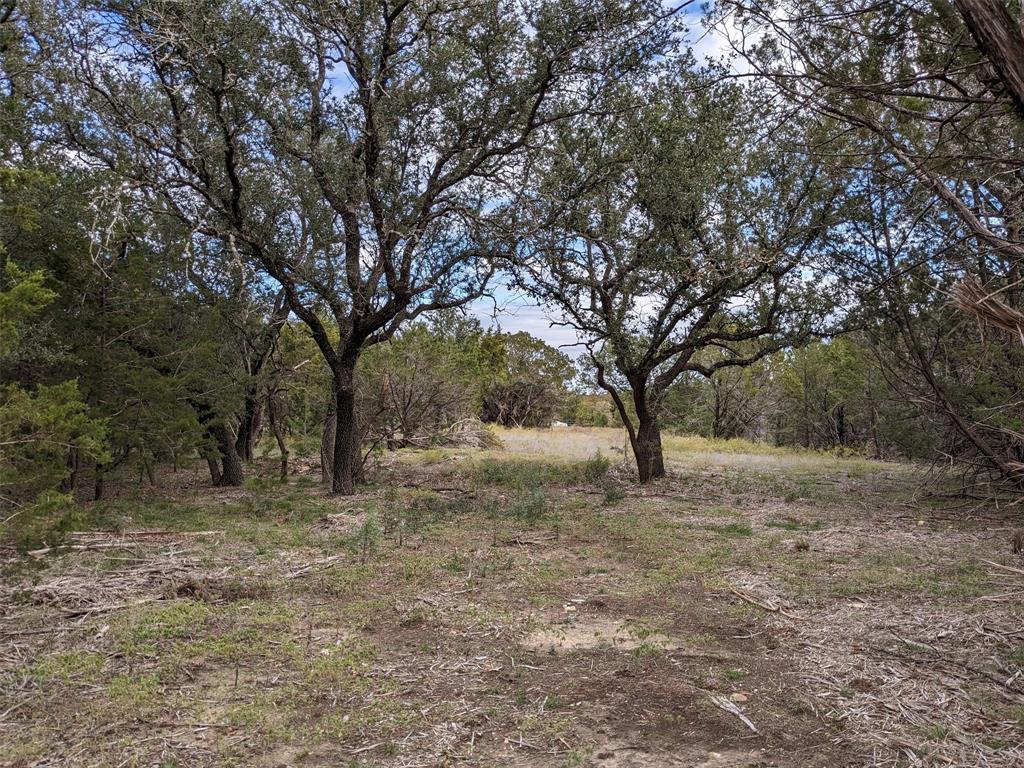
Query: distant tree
x: 368, y: 157
x: 737, y: 401
x: 424, y: 380
x: 671, y: 229
x: 822, y: 390
x: 904, y: 262
x: 590, y: 410
x: 528, y: 385
x: 42, y: 421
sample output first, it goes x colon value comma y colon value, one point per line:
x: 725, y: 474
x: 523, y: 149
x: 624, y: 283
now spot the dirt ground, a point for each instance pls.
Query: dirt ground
x: 524, y: 607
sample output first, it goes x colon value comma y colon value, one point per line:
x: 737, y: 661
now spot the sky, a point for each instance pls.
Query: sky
x: 513, y: 311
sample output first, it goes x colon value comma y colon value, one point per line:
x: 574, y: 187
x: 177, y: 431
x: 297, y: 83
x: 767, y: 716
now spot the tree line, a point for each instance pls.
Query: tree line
x: 230, y: 220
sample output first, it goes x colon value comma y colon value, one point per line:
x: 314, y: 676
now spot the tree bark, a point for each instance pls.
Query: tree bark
x: 347, y: 464
x: 716, y: 427
x: 232, y: 472
x: 327, y: 443
x: 277, y: 425
x: 67, y: 485
x: 650, y: 457
x: 346, y: 444
x: 250, y: 426
x: 841, y: 425
x: 211, y: 461
x: 1001, y: 40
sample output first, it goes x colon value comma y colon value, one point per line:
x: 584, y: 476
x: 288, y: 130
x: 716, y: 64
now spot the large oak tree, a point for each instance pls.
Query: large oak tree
x: 368, y: 157
x: 668, y: 229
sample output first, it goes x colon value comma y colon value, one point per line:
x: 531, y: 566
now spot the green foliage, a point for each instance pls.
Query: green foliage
x: 432, y: 375
x: 526, y: 385
x: 613, y: 492
x: 529, y: 506
x: 654, y: 261
x: 404, y: 515
x: 367, y: 538
x: 41, y: 426
x: 424, y: 380
x: 591, y: 411
x: 23, y: 295
x: 36, y: 431
x: 529, y: 473
x: 825, y: 395
x: 596, y: 467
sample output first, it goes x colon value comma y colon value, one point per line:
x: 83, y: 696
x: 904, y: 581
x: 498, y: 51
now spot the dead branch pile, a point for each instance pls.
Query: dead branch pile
x: 86, y: 591
x: 465, y: 433
x: 971, y: 297
x: 148, y: 576
x: 165, y: 578
x: 469, y: 433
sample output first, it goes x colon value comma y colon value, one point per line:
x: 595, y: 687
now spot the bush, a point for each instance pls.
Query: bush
x: 613, y: 492
x: 529, y: 473
x: 529, y: 507
x: 596, y: 467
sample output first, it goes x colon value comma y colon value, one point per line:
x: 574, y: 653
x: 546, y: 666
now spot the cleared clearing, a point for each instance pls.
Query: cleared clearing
x: 524, y: 608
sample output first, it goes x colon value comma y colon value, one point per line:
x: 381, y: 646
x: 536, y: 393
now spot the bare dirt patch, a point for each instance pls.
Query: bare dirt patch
x: 595, y: 633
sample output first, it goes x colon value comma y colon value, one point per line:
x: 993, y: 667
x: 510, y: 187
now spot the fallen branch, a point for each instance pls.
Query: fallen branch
x: 366, y: 748
x: 72, y: 612
x: 79, y: 548
x: 765, y: 606
x: 526, y: 541
x: 723, y: 703
x: 314, y: 566
x: 1002, y: 567
x: 140, y: 534
x: 98, y: 540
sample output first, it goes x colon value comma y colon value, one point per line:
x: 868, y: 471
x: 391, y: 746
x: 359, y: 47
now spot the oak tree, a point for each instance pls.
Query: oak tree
x: 367, y: 157
x: 671, y: 227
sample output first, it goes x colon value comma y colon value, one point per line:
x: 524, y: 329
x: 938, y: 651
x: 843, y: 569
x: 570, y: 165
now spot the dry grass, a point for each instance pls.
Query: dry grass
x: 581, y: 442
x: 490, y: 608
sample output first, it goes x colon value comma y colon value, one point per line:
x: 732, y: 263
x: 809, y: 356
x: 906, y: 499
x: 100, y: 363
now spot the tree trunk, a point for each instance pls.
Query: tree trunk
x: 211, y: 461
x: 716, y: 427
x: 67, y: 485
x: 276, y: 424
x: 232, y: 472
x: 1001, y: 40
x: 347, y: 457
x: 249, y: 428
x: 807, y: 407
x: 650, y: 458
x: 347, y: 465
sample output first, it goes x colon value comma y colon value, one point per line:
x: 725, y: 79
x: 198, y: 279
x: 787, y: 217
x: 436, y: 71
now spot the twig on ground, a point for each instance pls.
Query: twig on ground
x: 766, y: 606
x: 1000, y: 566
x: 316, y: 565
x: 723, y: 703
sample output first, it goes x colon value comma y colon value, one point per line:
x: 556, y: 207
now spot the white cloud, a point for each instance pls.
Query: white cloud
x: 515, y: 312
